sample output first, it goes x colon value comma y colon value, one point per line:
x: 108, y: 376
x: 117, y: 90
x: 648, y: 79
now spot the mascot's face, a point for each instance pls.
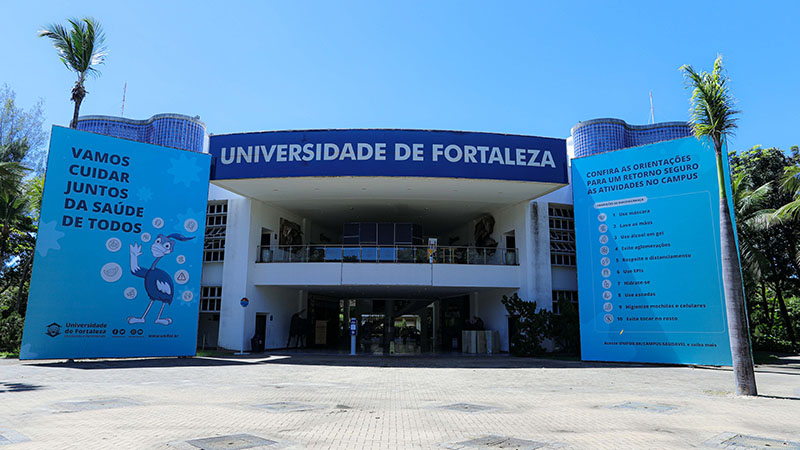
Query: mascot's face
x: 162, y: 246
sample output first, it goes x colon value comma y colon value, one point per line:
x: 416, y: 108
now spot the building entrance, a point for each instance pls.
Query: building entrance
x: 388, y: 326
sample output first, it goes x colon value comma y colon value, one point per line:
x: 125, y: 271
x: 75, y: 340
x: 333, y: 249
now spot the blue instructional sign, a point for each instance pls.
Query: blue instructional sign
x: 388, y: 153
x: 119, y: 250
x: 648, y: 251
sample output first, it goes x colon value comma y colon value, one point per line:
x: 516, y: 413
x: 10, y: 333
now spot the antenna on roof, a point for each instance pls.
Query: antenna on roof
x: 124, y: 91
x: 652, y: 117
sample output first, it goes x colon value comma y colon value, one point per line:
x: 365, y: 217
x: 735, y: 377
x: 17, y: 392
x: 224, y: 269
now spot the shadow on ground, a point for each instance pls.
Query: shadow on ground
x: 336, y: 360
x: 789, y: 365
x: 6, y: 386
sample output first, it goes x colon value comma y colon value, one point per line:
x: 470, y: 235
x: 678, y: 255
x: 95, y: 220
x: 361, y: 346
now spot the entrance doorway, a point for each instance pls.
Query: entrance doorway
x: 261, y: 335
x: 388, y: 326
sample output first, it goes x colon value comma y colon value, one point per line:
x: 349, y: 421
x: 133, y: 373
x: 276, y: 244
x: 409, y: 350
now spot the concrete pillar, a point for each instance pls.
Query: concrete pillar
x: 540, y: 255
x: 235, y: 274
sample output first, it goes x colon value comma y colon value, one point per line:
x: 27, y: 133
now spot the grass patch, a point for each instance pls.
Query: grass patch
x: 4, y: 355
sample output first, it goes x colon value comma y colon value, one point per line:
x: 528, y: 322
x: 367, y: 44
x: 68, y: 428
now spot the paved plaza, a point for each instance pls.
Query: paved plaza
x: 293, y: 400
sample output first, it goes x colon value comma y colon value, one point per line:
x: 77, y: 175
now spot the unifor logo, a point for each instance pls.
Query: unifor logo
x: 53, y: 329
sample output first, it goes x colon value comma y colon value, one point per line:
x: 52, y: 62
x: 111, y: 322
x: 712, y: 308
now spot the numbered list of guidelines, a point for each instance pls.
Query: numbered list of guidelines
x: 649, y: 274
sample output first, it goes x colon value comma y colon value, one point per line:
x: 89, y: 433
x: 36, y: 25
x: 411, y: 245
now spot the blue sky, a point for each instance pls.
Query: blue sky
x: 513, y: 67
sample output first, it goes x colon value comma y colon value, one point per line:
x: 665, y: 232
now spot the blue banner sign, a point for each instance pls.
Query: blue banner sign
x: 118, y: 257
x: 394, y: 153
x: 648, y: 250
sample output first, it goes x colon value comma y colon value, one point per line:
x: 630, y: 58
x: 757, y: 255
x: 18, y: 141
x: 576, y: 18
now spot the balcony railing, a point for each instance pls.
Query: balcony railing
x: 413, y: 254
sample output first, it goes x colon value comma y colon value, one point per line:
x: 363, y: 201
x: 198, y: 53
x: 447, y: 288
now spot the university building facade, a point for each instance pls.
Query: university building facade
x: 415, y: 256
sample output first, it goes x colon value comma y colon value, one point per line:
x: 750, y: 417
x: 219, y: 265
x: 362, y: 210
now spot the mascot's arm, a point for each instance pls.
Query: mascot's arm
x: 136, y: 250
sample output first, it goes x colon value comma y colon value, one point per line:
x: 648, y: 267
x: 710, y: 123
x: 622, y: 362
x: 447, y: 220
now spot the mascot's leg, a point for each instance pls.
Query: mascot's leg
x: 134, y: 319
x: 164, y: 321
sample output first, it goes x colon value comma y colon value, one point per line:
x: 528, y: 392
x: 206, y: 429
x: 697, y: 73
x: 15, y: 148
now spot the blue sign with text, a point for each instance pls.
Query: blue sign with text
x: 118, y: 256
x: 388, y: 153
x: 648, y: 251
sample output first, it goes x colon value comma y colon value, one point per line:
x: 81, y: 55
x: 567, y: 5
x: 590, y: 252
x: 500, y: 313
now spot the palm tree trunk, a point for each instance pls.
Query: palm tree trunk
x: 74, y: 122
x: 738, y: 330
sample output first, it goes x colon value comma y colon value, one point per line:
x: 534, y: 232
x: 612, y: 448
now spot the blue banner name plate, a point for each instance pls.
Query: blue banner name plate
x: 396, y: 153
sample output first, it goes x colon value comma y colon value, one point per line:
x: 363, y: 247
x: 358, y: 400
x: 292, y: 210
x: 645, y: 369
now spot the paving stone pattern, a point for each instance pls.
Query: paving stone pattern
x: 733, y: 441
x: 316, y: 401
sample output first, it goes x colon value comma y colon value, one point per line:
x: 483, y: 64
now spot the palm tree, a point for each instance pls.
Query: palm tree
x: 751, y: 218
x: 713, y: 117
x: 80, y: 49
x: 790, y: 183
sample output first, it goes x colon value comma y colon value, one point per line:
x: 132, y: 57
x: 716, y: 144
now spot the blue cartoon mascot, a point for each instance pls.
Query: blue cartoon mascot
x: 157, y: 283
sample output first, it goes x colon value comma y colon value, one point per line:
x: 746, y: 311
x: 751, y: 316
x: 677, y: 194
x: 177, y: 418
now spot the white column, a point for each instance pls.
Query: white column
x: 235, y: 273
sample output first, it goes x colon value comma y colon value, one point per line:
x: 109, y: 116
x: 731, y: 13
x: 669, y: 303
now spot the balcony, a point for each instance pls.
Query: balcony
x: 405, y: 254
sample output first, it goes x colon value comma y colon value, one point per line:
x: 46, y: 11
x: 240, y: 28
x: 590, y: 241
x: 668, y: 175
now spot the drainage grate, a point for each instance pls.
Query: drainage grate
x: 280, y: 407
x: 492, y: 441
x: 652, y: 407
x: 8, y: 437
x: 745, y: 442
x: 102, y: 403
x: 231, y: 442
x: 467, y: 407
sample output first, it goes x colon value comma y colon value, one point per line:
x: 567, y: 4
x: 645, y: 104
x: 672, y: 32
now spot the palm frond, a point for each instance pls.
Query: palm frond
x: 713, y: 112
x: 11, y: 174
x: 80, y: 46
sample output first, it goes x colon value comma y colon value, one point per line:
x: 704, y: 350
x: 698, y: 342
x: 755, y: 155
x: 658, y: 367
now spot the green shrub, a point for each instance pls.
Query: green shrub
x: 11, y: 333
x: 530, y: 326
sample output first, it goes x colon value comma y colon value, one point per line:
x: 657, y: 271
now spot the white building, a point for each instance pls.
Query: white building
x: 332, y: 246
x: 329, y: 225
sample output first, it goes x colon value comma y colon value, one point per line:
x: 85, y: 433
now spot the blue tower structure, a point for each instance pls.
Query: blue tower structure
x: 604, y: 135
x: 168, y: 130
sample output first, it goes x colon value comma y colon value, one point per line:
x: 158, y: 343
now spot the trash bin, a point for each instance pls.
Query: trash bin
x: 257, y: 344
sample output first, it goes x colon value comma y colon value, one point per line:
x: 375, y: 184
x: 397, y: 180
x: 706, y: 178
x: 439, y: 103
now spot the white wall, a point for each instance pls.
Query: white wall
x: 246, y: 218
x: 280, y: 303
x: 217, y: 193
x: 235, y: 272
x: 494, y: 314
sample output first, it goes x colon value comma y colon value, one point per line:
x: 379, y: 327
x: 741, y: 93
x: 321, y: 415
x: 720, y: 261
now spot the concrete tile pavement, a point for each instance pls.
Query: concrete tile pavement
x: 332, y: 401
